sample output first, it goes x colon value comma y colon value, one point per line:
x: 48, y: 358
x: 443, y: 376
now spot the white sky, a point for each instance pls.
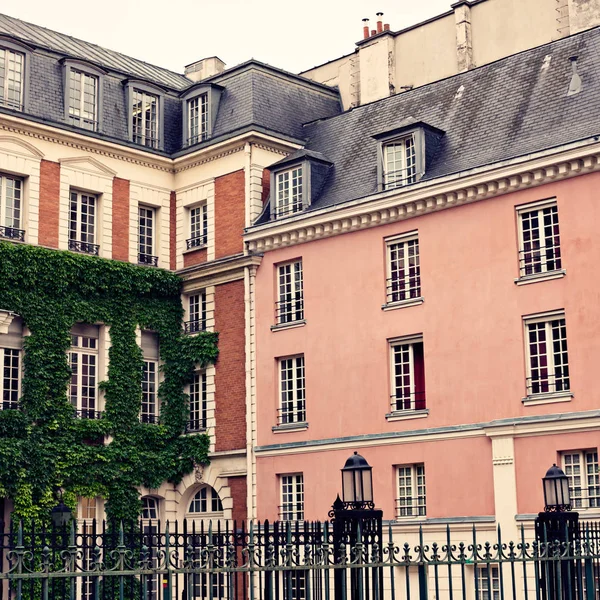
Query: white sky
x: 173, y: 33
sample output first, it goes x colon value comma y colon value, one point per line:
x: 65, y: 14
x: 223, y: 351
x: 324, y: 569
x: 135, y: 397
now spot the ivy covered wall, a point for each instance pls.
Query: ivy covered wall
x: 42, y: 445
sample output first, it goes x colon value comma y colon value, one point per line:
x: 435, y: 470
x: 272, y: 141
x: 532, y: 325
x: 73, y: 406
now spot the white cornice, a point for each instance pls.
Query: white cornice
x: 429, y: 196
x: 6, y: 318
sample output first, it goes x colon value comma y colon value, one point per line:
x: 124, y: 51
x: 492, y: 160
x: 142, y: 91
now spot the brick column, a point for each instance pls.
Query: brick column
x: 49, y: 203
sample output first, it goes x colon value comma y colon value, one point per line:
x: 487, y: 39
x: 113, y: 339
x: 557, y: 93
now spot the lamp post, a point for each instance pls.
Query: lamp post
x: 61, y: 513
x: 556, y: 531
x: 355, y: 513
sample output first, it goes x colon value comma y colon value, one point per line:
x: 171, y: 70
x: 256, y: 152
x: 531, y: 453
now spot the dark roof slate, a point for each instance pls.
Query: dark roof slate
x: 506, y: 109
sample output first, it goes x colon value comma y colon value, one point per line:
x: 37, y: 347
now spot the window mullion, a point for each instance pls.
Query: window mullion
x: 411, y: 371
x: 550, y: 356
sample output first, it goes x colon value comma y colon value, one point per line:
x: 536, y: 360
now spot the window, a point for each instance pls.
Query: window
x: 399, y: 163
x: 146, y: 227
x: 12, y: 75
x: 82, y: 223
x: 150, y: 408
x: 83, y: 358
x: 88, y: 508
x: 547, y: 358
x: 10, y: 384
x: 292, y: 497
x: 288, y: 193
x: 197, y: 313
x: 581, y: 468
x: 404, y: 270
x: 539, y: 244
x: 11, y: 196
x: 144, y: 115
x: 149, y: 508
x: 206, y: 500
x: 198, y: 119
x: 198, y: 403
x: 411, y: 491
x: 294, y: 585
x: 198, y: 227
x: 83, y: 99
x: 290, y: 306
x: 408, y: 375
x: 292, y: 391
x: 488, y: 579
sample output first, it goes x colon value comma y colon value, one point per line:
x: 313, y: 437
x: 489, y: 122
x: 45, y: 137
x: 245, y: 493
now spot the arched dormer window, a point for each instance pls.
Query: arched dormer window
x: 205, y: 501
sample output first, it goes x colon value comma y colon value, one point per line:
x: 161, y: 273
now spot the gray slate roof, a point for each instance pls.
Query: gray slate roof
x: 507, y: 109
x: 59, y: 42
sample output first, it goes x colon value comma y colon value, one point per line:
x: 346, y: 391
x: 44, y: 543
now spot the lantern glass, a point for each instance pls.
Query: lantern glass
x: 367, y: 485
x: 550, y: 497
x: 556, y: 490
x: 565, y: 492
x: 348, y: 494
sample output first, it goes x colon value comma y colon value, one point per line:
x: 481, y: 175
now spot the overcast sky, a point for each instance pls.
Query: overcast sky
x: 173, y: 33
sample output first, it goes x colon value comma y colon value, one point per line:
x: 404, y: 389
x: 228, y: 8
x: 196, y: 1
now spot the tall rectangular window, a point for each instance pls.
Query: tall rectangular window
x: 290, y: 306
x: 198, y: 403
x: 12, y: 69
x: 292, y: 497
x: 144, y: 117
x: 411, y: 491
x: 11, y: 197
x: 581, y: 468
x: 146, y: 229
x: 150, y: 407
x: 547, y: 357
x: 539, y: 243
x: 292, y: 390
x: 83, y: 99
x: 408, y: 375
x: 399, y: 163
x: 404, y: 270
x: 83, y: 357
x: 198, y: 119
x: 288, y: 192
x: 10, y: 383
x: 197, y: 313
x: 82, y: 222
x: 87, y: 508
x: 488, y: 582
x: 198, y: 227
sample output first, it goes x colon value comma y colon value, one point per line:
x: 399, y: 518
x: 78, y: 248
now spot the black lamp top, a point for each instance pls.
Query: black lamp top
x: 356, y: 461
x: 554, y: 472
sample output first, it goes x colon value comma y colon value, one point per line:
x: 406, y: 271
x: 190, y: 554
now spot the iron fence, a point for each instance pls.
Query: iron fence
x: 289, y: 561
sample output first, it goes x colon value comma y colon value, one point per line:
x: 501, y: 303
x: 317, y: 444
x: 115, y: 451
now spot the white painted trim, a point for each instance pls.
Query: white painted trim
x: 536, y: 277
x: 537, y: 399
x: 403, y: 304
x: 407, y: 415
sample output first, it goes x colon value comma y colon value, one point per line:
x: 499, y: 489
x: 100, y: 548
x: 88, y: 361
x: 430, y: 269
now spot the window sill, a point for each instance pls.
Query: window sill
x: 403, y: 303
x: 551, y: 398
x: 195, y: 248
x: 404, y: 415
x: 412, y: 519
x: 290, y: 325
x: 289, y: 427
x: 535, y: 277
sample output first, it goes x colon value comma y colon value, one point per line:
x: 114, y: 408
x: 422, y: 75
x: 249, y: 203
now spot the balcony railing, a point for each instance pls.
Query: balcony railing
x: 148, y: 260
x: 540, y: 260
x: 84, y: 247
x: 404, y: 288
x: 294, y: 511
x: 9, y: 405
x: 549, y: 384
x: 399, y: 178
x: 12, y: 233
x: 288, y: 311
x: 409, y: 401
x: 88, y: 413
x: 149, y: 418
x: 198, y: 241
x: 195, y: 425
x: 292, y: 414
x: 195, y: 326
x: 411, y: 506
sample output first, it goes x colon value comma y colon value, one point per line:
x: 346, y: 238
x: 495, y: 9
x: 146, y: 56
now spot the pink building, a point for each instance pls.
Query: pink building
x: 429, y: 296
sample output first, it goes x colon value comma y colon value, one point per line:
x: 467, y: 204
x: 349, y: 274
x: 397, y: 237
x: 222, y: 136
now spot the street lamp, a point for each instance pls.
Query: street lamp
x: 557, y: 496
x: 357, y: 483
x: 61, y: 513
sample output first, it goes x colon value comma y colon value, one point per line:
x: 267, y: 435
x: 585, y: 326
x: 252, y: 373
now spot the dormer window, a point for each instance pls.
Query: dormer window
x: 146, y: 106
x: 200, y: 108
x: 12, y: 75
x: 83, y: 95
x: 288, y: 192
x: 399, y: 163
x: 198, y: 119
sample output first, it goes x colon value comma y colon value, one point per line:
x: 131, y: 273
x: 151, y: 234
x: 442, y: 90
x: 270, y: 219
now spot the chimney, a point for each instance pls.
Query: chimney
x: 386, y: 27
x: 365, y: 28
x: 379, y: 22
x: 204, y: 68
x: 373, y: 31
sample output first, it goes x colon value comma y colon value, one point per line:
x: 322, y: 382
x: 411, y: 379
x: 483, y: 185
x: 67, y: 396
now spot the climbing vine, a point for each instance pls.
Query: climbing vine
x: 42, y: 445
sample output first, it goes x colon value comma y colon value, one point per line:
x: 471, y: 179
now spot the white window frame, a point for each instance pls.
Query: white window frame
x: 84, y: 353
x: 292, y: 497
x: 15, y: 56
x: 290, y: 282
x: 11, y: 207
x: 487, y: 575
x: 78, y: 115
x: 292, y: 389
x: 403, y: 270
x: 81, y: 239
x: 198, y: 403
x: 7, y: 355
x: 150, y: 508
x: 206, y: 496
x: 290, y: 190
x: 539, y: 386
x: 584, y: 485
x: 406, y: 172
x: 149, y: 411
x: 406, y: 402
x: 147, y: 228
x: 539, y: 257
x: 411, y: 485
x: 198, y: 109
x: 198, y: 224
x: 84, y: 506
x: 139, y: 133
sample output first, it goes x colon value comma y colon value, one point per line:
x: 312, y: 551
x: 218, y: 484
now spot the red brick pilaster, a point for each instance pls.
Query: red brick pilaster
x: 237, y: 485
x: 120, y: 219
x: 49, y: 203
x: 229, y: 214
x: 266, y: 184
x: 173, y: 231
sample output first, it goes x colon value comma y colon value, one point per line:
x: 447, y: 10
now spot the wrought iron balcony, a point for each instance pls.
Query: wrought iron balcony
x: 289, y: 310
x: 409, y: 401
x: 88, y: 413
x: 405, y: 288
x: 148, y: 259
x: 195, y: 326
x: 399, y: 178
x: 543, y: 259
x: 9, y: 405
x: 84, y: 247
x: 148, y: 418
x: 12, y: 233
x: 294, y: 412
x: 195, y: 425
x: 198, y: 241
x: 545, y: 383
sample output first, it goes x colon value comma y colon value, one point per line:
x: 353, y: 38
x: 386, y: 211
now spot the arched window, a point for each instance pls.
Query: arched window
x: 149, y: 508
x: 206, y: 500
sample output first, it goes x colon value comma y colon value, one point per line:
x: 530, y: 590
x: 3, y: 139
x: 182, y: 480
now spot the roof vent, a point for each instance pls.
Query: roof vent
x: 576, y: 83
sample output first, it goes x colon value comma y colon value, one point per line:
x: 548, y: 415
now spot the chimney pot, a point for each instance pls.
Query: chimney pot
x: 373, y: 31
x: 379, y: 22
x: 386, y: 27
x: 366, y: 28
